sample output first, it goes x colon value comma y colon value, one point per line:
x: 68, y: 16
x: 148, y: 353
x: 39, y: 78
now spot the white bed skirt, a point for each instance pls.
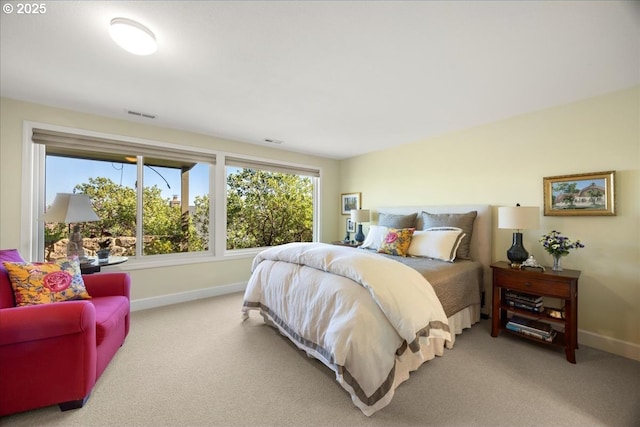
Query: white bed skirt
x: 463, y: 319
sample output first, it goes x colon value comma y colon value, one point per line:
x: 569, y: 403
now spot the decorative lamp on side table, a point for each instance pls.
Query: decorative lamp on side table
x: 71, y: 208
x: 518, y: 218
x: 358, y: 216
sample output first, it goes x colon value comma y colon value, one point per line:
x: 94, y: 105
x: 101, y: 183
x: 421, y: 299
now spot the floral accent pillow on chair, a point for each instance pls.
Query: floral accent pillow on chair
x: 42, y: 283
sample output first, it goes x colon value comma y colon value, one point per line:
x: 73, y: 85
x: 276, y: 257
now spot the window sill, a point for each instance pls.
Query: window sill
x: 172, y: 261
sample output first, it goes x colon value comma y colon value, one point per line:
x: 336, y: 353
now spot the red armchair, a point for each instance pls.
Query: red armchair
x: 53, y: 354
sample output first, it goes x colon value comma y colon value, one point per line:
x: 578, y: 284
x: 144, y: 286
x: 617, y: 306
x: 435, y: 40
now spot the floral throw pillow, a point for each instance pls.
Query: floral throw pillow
x: 396, y: 241
x: 42, y: 283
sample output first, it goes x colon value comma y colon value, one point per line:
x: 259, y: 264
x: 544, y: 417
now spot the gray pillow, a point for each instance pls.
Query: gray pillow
x: 463, y: 221
x: 397, y: 221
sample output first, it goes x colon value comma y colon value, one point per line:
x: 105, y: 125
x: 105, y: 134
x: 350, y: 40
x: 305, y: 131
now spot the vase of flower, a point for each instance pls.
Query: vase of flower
x: 558, y: 246
x: 104, y: 251
x: 103, y: 255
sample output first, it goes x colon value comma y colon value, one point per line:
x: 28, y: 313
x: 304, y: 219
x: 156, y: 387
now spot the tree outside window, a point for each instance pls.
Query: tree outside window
x: 268, y: 208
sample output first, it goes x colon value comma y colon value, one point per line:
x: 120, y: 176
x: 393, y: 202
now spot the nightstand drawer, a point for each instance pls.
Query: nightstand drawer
x: 520, y: 281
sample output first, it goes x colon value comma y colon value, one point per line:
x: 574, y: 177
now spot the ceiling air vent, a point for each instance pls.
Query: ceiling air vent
x: 139, y: 114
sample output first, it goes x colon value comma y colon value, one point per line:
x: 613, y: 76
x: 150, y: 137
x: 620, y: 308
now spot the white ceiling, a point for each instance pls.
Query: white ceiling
x: 332, y: 78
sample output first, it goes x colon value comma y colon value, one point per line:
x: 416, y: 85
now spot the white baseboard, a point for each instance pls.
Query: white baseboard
x: 153, y: 302
x: 610, y: 345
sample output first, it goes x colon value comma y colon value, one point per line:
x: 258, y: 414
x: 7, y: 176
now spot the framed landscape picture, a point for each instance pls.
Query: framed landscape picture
x: 583, y: 194
x: 349, y: 201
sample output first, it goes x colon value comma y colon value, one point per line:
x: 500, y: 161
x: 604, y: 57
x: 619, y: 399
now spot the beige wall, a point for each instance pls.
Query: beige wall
x: 503, y: 163
x: 499, y: 163
x: 156, y: 281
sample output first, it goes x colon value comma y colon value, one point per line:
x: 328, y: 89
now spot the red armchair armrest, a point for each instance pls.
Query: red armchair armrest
x: 39, y: 322
x: 108, y: 284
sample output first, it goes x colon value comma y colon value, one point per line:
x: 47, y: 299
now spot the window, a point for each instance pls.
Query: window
x: 150, y: 200
x: 269, y: 204
x: 111, y: 185
x: 157, y: 199
x: 178, y: 224
x: 266, y: 208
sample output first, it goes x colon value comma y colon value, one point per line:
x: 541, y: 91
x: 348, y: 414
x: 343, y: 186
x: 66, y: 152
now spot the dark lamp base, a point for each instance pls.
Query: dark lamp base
x: 359, y: 235
x: 517, y: 254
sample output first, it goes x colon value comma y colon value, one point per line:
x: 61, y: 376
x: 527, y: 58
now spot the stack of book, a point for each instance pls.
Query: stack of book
x: 531, y: 327
x: 524, y: 301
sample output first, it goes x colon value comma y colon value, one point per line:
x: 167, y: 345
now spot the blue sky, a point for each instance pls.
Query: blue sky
x: 64, y: 173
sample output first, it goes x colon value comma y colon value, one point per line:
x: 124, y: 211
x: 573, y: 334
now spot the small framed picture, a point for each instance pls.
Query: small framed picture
x: 583, y: 194
x: 351, y: 226
x: 349, y: 201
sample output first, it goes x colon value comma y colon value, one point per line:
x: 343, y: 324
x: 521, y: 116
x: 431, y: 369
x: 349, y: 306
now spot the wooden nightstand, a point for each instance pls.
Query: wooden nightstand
x: 343, y: 243
x: 555, y: 284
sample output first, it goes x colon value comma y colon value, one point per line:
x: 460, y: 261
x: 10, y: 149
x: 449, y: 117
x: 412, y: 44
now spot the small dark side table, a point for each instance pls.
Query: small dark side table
x: 94, y: 266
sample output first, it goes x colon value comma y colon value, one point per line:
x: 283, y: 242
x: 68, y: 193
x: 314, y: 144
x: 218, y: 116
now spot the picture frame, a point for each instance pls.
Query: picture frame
x: 349, y: 201
x: 587, y: 194
x: 351, y: 226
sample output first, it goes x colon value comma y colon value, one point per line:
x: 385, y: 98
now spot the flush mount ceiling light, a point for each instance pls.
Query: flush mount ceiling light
x: 133, y: 36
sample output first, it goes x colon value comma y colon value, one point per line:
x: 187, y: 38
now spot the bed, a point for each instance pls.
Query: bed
x: 370, y: 317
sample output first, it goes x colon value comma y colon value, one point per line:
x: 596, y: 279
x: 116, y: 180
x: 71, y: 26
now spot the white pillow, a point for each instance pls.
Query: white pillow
x: 374, y: 237
x: 436, y: 242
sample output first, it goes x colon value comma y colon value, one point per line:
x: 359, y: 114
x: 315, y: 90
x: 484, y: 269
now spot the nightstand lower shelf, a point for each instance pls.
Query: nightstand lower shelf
x: 558, y: 340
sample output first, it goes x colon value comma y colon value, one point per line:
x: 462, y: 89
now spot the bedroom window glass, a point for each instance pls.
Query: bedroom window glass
x: 111, y: 186
x: 269, y: 204
x: 152, y: 200
x: 179, y: 223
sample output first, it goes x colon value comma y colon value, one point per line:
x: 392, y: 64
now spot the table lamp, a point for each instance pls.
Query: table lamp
x: 359, y: 216
x: 71, y: 208
x: 518, y: 218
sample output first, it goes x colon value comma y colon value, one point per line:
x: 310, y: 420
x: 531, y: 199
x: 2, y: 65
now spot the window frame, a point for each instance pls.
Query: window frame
x: 247, y: 162
x: 33, y: 198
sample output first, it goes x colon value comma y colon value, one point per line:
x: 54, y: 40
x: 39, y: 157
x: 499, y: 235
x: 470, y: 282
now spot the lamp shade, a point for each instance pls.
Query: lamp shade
x: 360, y: 215
x: 69, y: 208
x: 519, y: 217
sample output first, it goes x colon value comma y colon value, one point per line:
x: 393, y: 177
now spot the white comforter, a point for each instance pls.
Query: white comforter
x: 370, y: 319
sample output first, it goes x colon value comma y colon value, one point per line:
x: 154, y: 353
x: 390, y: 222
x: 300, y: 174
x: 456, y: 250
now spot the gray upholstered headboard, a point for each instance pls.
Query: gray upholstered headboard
x: 481, y: 246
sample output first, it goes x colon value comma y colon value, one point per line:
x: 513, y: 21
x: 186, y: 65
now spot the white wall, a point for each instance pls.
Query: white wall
x: 503, y: 163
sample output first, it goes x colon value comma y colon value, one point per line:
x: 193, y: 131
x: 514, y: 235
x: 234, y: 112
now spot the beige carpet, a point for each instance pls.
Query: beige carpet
x: 198, y: 364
